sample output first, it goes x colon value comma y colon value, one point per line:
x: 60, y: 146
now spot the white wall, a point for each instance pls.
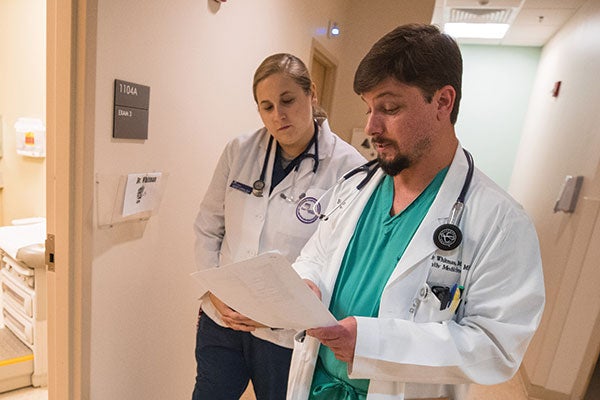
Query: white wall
x: 22, y: 94
x: 562, y: 137
x: 497, y: 82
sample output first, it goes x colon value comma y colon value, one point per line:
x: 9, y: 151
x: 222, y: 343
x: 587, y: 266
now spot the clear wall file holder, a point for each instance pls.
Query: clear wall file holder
x: 128, y: 198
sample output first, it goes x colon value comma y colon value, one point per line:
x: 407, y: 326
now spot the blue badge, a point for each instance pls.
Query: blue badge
x: 241, y: 187
x: 308, y: 210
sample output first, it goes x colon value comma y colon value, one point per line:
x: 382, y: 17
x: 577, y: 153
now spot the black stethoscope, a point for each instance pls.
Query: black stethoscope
x: 259, y: 185
x: 446, y: 237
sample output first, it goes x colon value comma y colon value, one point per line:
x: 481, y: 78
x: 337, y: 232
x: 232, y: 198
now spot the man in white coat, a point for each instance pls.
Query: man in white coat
x: 432, y: 271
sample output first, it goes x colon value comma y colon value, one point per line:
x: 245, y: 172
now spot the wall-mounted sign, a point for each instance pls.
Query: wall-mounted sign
x: 130, y: 118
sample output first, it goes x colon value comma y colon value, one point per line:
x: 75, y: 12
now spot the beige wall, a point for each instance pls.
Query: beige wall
x: 198, y: 59
x: 22, y: 94
x: 562, y: 137
x: 366, y: 22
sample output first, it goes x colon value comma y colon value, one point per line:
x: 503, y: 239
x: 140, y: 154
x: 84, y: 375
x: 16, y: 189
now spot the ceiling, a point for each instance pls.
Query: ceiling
x: 532, y: 22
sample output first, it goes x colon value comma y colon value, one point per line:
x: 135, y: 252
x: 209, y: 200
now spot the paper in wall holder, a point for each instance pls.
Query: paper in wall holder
x: 569, y: 192
x: 128, y: 198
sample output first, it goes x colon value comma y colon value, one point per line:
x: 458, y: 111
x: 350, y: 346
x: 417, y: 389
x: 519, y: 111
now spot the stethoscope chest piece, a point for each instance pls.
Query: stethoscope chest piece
x: 258, y: 187
x: 447, y: 237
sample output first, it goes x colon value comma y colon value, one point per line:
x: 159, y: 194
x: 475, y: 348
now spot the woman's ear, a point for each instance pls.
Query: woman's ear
x: 313, y: 94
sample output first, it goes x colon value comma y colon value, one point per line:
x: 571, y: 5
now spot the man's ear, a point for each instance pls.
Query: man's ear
x: 444, y: 98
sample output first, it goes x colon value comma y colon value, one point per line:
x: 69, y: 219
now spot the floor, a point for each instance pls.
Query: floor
x: 593, y: 390
x: 511, y: 390
x: 12, y: 347
x: 29, y: 393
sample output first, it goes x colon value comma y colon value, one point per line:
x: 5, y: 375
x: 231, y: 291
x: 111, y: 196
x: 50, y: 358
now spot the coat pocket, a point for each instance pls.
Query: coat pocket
x: 430, y: 308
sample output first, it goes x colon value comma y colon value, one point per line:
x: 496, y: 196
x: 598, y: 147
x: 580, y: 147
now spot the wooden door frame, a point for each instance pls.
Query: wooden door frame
x: 70, y: 77
x: 326, y: 58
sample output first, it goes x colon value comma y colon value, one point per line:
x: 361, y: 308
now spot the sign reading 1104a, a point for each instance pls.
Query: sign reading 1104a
x: 130, y: 117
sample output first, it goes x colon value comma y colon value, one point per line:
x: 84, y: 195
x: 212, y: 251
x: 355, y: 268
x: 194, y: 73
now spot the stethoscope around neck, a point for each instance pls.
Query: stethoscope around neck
x: 259, y: 185
x: 446, y: 237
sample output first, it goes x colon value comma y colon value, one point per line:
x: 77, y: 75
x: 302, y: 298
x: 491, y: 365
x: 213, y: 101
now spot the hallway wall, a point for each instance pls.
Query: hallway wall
x: 365, y: 23
x: 497, y: 83
x: 562, y: 137
x: 198, y: 58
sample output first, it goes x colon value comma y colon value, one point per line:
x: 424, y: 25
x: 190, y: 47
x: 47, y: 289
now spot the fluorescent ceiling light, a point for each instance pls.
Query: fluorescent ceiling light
x: 476, y: 30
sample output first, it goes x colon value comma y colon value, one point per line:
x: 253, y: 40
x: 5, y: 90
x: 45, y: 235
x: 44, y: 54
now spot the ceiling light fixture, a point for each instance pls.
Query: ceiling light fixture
x: 476, y: 30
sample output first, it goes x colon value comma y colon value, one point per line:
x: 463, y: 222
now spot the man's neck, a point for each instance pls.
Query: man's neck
x: 411, y: 182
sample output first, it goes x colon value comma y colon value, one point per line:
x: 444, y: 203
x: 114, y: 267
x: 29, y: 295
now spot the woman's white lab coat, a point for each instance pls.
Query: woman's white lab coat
x: 233, y: 225
x: 484, y: 342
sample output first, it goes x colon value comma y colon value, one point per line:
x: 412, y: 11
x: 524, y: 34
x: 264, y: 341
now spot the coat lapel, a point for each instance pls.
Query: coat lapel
x: 305, y: 171
x: 421, y: 246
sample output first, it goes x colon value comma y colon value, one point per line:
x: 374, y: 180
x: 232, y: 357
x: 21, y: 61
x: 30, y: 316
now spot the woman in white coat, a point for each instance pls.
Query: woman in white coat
x: 418, y: 317
x: 262, y: 198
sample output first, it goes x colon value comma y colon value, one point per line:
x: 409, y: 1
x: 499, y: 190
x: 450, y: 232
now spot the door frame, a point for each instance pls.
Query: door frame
x: 70, y: 77
x: 318, y: 53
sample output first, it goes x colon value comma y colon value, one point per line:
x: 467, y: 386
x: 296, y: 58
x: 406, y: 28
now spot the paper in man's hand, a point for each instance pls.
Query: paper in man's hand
x: 268, y: 290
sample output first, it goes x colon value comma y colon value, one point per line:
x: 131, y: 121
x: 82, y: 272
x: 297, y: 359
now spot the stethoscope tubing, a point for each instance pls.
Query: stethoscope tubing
x: 371, y: 168
x: 259, y: 184
x: 468, y: 178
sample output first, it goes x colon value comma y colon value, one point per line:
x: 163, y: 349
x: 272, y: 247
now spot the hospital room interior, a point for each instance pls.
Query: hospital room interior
x: 98, y: 305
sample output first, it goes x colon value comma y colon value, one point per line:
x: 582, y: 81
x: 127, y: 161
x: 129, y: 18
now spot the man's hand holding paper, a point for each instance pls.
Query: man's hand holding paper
x: 267, y: 290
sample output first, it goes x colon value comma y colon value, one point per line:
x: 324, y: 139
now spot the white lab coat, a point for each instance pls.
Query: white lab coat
x: 502, y: 302
x: 232, y: 225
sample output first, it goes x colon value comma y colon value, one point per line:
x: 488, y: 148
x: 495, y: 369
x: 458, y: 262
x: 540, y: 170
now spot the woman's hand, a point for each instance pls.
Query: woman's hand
x: 313, y: 287
x: 232, y: 318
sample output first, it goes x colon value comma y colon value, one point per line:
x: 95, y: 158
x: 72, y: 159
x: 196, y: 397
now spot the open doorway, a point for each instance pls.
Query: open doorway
x: 23, y: 299
x: 323, y: 69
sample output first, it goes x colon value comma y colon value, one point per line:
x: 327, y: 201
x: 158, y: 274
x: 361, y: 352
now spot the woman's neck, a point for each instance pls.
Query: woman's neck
x: 290, y: 152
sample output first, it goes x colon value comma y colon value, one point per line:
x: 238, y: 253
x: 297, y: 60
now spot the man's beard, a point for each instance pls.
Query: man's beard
x: 402, y: 160
x: 395, y: 166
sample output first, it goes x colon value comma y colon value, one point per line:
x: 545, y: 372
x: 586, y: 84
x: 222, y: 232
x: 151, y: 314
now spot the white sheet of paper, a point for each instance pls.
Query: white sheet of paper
x: 140, y: 192
x: 268, y: 290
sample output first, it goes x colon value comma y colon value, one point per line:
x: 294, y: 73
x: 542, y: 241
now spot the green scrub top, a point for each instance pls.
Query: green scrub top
x: 378, y: 243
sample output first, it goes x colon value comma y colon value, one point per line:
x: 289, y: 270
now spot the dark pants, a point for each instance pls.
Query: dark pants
x: 227, y: 359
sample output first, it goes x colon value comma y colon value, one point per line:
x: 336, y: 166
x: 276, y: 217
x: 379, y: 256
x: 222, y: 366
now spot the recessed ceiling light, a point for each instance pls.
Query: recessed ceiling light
x: 476, y: 30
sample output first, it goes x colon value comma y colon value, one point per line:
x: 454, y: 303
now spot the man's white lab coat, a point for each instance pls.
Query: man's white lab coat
x: 406, y: 356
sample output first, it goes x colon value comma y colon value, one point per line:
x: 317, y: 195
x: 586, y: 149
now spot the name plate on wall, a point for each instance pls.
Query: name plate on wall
x: 130, y: 117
